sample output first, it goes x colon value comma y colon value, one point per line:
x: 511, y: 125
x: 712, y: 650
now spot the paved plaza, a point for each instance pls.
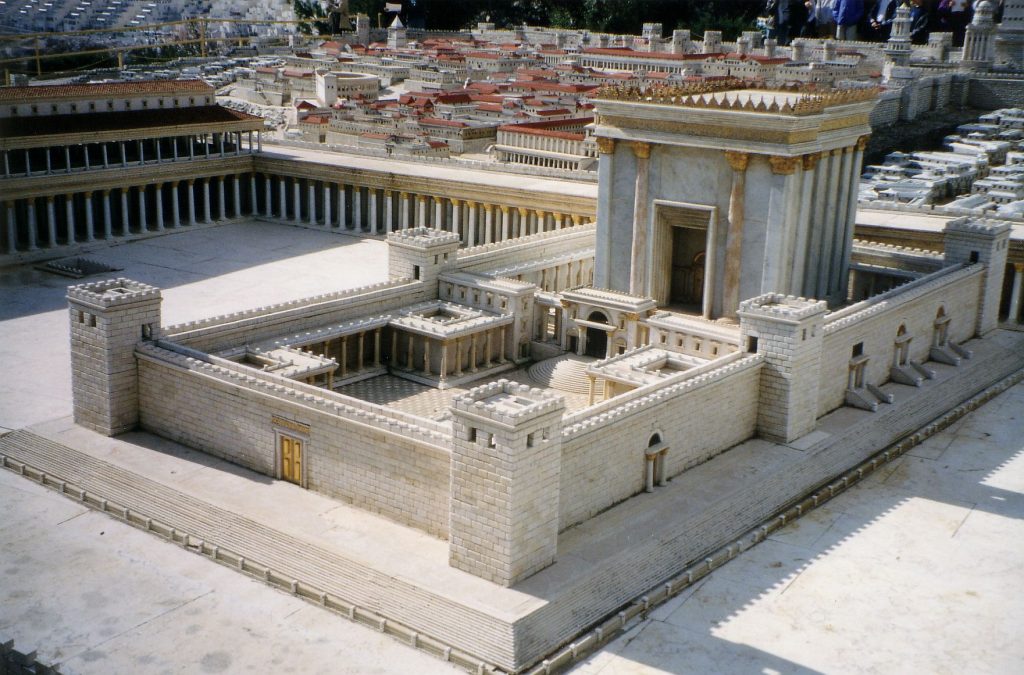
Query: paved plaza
x: 911, y: 571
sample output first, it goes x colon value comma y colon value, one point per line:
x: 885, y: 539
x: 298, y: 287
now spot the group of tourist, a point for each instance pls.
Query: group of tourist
x: 866, y: 19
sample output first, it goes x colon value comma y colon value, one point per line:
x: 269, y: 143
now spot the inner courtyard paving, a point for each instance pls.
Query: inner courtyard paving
x: 907, y: 572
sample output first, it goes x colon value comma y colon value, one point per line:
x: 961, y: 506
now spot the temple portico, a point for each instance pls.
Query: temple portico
x: 766, y: 203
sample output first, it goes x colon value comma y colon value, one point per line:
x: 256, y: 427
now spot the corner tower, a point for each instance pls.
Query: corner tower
x: 108, y: 318
x: 724, y: 192
x: 505, y: 481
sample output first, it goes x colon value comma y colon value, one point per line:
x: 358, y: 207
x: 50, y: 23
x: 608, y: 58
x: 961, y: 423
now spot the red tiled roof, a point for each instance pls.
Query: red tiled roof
x: 435, y: 122
x: 44, y: 125
x: 630, y: 53
x: 104, y: 89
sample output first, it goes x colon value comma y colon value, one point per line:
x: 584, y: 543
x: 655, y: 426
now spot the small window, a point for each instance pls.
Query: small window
x: 92, y: 320
x: 81, y: 317
x: 974, y: 256
x: 415, y: 271
x: 529, y: 440
x: 752, y: 344
x: 471, y: 435
x: 858, y: 349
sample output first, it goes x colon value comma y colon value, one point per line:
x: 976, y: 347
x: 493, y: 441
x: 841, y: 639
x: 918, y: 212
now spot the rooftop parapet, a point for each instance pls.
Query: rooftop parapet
x: 738, y: 95
x: 508, y: 401
x: 423, y: 237
x: 973, y: 226
x: 782, y: 307
x: 113, y: 292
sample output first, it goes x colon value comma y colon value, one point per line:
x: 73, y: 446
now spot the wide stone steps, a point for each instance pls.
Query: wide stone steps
x: 565, y: 373
x: 289, y: 557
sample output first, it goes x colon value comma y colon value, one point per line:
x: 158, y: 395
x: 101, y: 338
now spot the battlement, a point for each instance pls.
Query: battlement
x: 423, y: 237
x: 508, y: 401
x: 787, y: 308
x: 968, y: 225
x: 113, y: 292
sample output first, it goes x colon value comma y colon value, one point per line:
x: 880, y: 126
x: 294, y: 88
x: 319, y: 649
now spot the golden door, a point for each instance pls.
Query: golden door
x: 291, y: 459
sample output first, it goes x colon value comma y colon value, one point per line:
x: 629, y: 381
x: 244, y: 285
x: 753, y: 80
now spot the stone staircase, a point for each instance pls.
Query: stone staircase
x: 567, y: 372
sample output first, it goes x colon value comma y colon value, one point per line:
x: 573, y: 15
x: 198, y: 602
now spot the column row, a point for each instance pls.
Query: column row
x: 377, y: 211
x: 114, y: 154
x: 64, y: 220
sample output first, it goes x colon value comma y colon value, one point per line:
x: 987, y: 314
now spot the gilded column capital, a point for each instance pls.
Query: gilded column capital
x: 455, y: 202
x: 50, y: 198
x: 523, y: 211
x: 576, y: 220
x: 421, y: 198
x: 784, y: 165
x: 1019, y: 267
x: 88, y: 195
x: 862, y: 142
x: 738, y: 161
x: 810, y: 160
x: 504, y: 208
x: 403, y: 194
x: 371, y: 190
x: 540, y: 213
x: 640, y: 149
x: 605, y: 145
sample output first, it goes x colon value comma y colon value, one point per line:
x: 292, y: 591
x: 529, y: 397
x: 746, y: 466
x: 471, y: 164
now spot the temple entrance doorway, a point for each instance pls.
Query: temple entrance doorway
x: 291, y: 459
x: 597, y: 339
x: 682, y: 270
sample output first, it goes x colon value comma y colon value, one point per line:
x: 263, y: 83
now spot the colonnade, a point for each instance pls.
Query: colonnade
x: 127, y: 153
x: 441, y: 358
x: 357, y: 353
x: 1016, y: 273
x: 66, y: 219
x: 371, y: 210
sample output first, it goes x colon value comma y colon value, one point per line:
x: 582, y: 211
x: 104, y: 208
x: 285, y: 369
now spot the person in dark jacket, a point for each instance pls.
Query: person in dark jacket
x: 880, y: 18
x: 920, y: 22
x: 848, y: 14
x: 785, y: 19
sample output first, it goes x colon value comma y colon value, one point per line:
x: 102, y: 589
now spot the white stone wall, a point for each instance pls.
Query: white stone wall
x: 876, y: 322
x: 261, y: 323
x: 603, y: 448
x: 401, y: 478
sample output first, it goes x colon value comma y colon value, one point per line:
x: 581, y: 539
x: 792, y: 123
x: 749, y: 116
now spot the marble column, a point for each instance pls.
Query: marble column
x: 297, y: 200
x: 158, y: 194
x: 221, y: 210
x: 357, y: 208
x: 505, y: 222
x: 311, y: 201
x: 328, y: 219
x: 282, y: 194
x: 190, y: 192
x: 605, y: 194
x: 403, y: 210
x: 90, y: 225
x: 457, y: 218
x: 341, y: 207
x: 32, y: 225
x: 126, y: 227
x: 51, y: 221
x: 69, y: 217
x: 438, y: 213
x: 12, y: 232
x: 641, y: 209
x: 421, y: 211
x: 488, y: 223
x: 523, y: 226
x: 1015, y: 294
x: 175, y: 205
x: 738, y: 161
x: 143, y: 223
x: 206, y: 200
x: 254, y: 205
x: 237, y: 202
x: 473, y: 214
x: 371, y: 210
x: 389, y: 215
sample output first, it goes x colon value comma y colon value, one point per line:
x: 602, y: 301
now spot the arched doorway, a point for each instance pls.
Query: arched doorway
x: 597, y: 339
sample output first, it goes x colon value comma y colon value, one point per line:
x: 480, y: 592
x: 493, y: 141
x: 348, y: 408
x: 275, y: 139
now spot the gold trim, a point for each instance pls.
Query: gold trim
x: 640, y: 149
x: 605, y: 145
x: 811, y: 161
x: 291, y: 425
x: 784, y: 165
x: 739, y: 161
